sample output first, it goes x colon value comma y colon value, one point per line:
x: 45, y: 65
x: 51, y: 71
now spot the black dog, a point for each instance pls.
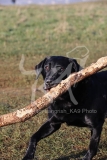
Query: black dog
x: 84, y: 105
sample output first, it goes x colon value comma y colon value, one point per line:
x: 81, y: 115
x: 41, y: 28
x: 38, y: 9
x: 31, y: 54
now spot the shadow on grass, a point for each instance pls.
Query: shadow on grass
x: 80, y: 154
x: 104, y: 158
x: 73, y: 156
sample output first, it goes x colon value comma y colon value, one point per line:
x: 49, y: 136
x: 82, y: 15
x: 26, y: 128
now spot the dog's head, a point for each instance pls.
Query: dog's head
x: 56, y: 68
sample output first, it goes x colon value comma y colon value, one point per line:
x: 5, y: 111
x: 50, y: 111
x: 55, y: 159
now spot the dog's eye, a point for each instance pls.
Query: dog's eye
x: 61, y: 69
x: 46, y: 68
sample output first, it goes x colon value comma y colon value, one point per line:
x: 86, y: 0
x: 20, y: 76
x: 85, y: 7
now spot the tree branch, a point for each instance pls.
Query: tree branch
x: 31, y: 110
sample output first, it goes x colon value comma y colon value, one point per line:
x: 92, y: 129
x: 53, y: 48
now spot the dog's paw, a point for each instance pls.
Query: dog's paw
x: 28, y: 158
x: 86, y: 158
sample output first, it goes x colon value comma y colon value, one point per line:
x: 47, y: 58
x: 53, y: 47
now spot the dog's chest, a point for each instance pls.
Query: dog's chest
x: 75, y: 121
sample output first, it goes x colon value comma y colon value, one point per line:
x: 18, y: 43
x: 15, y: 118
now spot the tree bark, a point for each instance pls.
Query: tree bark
x: 31, y: 110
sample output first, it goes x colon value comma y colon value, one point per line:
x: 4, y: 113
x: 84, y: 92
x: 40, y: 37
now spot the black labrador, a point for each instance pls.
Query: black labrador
x: 83, y: 105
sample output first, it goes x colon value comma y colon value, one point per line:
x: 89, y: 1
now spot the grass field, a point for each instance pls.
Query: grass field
x: 36, y: 32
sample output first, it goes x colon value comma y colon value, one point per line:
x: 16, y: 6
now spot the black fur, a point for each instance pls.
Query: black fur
x: 84, y: 105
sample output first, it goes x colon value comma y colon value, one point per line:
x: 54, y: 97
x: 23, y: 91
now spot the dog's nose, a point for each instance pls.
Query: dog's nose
x: 48, y: 82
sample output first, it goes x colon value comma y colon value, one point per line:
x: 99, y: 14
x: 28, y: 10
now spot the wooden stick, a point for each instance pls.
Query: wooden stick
x: 31, y: 110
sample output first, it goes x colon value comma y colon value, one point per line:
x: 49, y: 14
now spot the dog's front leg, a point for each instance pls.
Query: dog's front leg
x: 48, y: 128
x: 95, y: 138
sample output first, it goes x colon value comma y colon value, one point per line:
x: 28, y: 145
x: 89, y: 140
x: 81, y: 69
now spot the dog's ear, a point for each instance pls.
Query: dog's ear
x: 39, y: 68
x: 75, y: 66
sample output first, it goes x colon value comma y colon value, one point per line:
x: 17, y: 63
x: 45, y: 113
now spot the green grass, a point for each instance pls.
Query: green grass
x: 36, y: 32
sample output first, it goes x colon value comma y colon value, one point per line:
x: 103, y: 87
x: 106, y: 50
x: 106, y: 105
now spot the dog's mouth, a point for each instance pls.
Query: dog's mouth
x: 48, y: 87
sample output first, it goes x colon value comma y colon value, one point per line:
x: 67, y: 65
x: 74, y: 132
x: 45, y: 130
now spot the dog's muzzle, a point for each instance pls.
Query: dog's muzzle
x: 49, y: 84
